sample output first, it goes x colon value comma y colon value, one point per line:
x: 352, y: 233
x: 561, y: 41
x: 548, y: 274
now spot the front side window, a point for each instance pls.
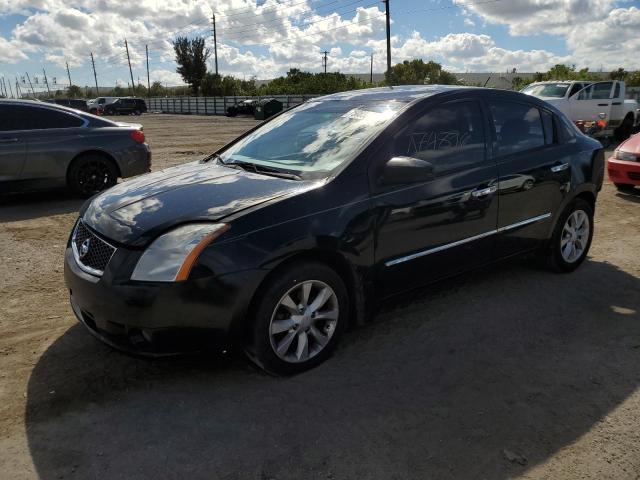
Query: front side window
x: 597, y: 91
x: 314, y: 138
x: 518, y: 127
x: 449, y: 136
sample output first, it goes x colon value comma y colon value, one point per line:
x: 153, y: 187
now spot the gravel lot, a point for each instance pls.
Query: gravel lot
x: 508, y: 372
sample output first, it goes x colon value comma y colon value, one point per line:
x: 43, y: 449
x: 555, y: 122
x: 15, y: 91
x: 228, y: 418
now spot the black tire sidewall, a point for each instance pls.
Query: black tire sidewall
x: 556, y: 259
x: 260, y: 349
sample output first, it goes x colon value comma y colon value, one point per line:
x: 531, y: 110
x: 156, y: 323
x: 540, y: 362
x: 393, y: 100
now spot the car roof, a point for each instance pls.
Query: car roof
x: 403, y: 93
x: 37, y: 103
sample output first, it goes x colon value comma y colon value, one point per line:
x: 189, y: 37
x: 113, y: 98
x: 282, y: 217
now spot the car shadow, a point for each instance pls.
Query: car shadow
x: 36, y: 204
x: 482, y: 376
x: 630, y: 196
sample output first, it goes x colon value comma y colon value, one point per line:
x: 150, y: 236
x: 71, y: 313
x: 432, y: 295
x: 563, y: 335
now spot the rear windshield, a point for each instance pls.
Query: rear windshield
x: 316, y: 137
x: 553, y: 90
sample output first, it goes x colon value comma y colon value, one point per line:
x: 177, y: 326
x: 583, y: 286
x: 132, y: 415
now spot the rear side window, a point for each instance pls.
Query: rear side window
x: 564, y: 131
x: 547, y: 125
x: 23, y: 117
x: 518, y: 127
x: 616, y: 93
x: 449, y: 136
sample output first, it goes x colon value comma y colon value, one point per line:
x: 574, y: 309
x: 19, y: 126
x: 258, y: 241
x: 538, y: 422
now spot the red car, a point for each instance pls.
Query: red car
x: 624, y: 165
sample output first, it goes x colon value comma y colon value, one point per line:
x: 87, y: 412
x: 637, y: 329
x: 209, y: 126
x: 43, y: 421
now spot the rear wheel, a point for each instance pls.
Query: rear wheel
x: 91, y: 174
x: 138, y: 112
x: 572, y: 237
x: 299, y: 319
x: 623, y: 187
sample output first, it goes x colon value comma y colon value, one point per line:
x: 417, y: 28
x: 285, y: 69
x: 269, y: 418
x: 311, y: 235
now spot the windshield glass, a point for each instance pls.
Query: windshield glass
x: 555, y: 90
x: 314, y: 138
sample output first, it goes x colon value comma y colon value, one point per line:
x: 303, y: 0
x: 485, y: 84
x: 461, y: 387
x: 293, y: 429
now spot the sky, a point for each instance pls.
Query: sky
x: 265, y: 38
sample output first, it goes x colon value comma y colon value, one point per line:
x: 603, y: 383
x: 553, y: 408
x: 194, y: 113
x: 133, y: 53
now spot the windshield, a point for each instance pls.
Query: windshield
x: 314, y: 138
x: 554, y: 90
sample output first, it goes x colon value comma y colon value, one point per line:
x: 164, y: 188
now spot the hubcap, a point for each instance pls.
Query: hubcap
x: 575, y: 236
x: 93, y: 176
x: 304, y: 321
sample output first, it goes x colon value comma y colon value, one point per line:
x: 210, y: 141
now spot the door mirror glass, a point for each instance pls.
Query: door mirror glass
x: 402, y: 170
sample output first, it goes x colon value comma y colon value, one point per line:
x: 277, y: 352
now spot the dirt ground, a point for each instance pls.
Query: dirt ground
x: 509, y: 372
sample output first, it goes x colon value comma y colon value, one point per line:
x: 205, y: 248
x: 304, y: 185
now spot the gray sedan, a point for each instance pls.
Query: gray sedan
x: 44, y: 145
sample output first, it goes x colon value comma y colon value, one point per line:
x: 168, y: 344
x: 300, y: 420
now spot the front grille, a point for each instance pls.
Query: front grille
x: 634, y: 175
x: 90, y: 251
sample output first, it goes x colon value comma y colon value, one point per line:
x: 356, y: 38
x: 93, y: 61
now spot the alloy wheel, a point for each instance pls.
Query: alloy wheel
x: 304, y: 321
x: 575, y: 236
x: 93, y: 176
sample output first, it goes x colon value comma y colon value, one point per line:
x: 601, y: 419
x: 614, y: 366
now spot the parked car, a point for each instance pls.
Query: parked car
x: 96, y: 105
x: 623, y: 166
x: 44, y: 145
x: 590, y: 102
x: 300, y: 226
x: 246, y: 107
x: 126, y: 106
x: 76, y: 103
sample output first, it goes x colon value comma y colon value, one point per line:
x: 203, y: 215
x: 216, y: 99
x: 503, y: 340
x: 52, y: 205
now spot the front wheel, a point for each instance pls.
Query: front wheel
x: 572, y: 237
x: 299, y: 319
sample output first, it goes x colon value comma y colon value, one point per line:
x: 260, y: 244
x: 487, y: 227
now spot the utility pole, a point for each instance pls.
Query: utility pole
x: 32, y: 90
x: 3, y: 88
x: 215, y: 40
x: 11, y: 89
x: 18, y: 92
x: 371, y: 74
x: 324, y: 61
x: 386, y: 4
x: 95, y: 77
x: 46, y: 82
x: 146, y: 48
x: 133, y: 86
x: 68, y: 74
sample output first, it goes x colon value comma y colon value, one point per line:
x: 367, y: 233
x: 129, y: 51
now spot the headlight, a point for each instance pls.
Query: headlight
x: 171, y: 256
x: 620, y: 155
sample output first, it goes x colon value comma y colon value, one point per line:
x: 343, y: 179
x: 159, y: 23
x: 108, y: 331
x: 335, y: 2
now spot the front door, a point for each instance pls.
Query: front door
x: 442, y: 226
x: 13, y: 146
x: 592, y: 101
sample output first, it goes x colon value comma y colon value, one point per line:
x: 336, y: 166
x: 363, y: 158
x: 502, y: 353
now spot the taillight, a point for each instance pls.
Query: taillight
x: 137, y: 136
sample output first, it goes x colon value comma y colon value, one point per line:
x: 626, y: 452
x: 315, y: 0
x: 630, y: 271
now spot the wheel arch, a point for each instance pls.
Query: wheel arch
x: 332, y: 259
x: 86, y: 153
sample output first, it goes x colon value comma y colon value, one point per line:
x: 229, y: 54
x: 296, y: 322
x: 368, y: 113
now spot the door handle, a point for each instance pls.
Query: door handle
x: 603, y: 104
x: 483, y: 192
x: 559, y: 168
x: 8, y: 140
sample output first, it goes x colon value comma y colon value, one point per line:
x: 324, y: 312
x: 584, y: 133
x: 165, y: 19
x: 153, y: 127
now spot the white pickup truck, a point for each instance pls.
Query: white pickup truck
x: 584, y: 101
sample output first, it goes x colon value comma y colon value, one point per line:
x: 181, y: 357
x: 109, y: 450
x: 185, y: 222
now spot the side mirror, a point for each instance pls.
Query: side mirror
x: 400, y: 170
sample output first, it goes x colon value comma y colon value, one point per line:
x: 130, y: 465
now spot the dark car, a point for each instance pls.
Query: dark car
x: 126, y: 106
x: 302, y: 225
x: 246, y: 107
x: 44, y: 145
x: 75, y: 103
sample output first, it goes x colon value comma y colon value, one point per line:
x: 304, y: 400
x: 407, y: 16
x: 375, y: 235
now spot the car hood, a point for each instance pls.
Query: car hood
x: 136, y: 211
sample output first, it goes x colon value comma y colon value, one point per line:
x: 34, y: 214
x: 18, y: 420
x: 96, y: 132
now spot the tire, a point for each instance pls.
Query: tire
x: 624, y: 130
x: 137, y: 113
x: 559, y: 260
x: 623, y: 187
x: 91, y: 174
x: 280, y: 331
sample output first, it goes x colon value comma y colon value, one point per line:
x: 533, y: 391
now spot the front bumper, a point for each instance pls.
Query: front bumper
x: 623, y: 171
x: 157, y: 319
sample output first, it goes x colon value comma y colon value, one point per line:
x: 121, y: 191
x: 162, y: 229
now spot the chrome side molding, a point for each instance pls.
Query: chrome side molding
x: 424, y: 253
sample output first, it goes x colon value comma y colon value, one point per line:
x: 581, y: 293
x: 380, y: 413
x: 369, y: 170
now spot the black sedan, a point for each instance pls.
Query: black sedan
x: 44, y: 145
x: 302, y: 225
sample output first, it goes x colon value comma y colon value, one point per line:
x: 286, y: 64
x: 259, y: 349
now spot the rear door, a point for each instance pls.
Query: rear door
x: 534, y: 172
x: 592, y: 101
x: 445, y: 225
x: 13, y: 145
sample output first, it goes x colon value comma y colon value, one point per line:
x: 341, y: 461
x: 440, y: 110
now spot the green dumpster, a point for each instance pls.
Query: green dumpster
x: 267, y: 107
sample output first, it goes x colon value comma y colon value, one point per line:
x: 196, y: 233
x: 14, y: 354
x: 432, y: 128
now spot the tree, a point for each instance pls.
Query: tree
x: 191, y: 57
x: 417, y: 72
x: 619, y: 74
x: 633, y: 79
x: 74, y: 91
